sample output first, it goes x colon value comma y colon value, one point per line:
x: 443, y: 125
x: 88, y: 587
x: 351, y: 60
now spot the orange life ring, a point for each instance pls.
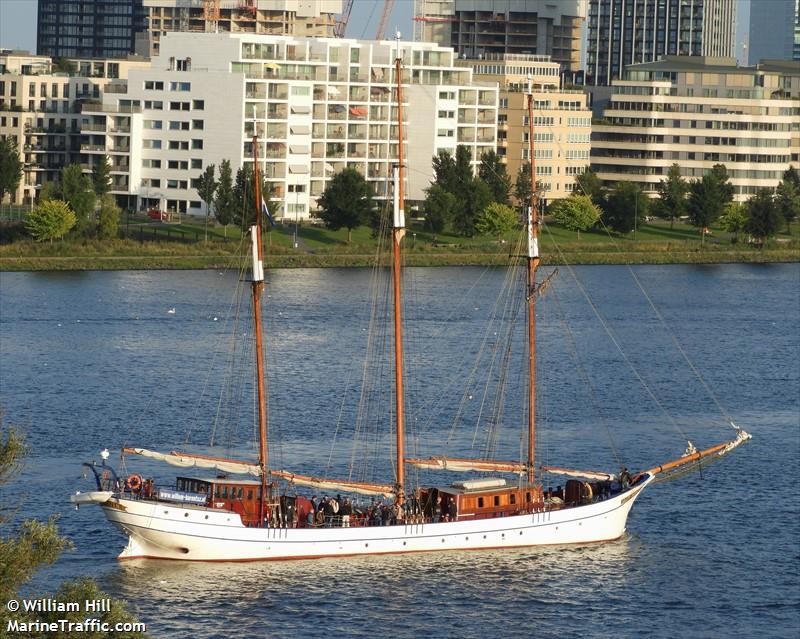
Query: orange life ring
x: 134, y: 483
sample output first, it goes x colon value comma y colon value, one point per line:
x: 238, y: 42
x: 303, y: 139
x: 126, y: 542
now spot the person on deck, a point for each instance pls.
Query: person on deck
x: 346, y: 510
x: 625, y: 478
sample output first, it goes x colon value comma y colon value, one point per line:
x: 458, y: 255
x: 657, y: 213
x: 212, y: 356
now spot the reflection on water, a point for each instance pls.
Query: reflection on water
x: 316, y: 597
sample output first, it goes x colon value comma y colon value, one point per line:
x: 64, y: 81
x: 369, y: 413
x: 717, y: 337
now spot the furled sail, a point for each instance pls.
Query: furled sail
x: 362, y: 488
x: 191, y: 460
x: 464, y: 465
x: 585, y: 474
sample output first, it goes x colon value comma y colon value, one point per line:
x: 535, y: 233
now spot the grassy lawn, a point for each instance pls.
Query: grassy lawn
x: 159, y: 245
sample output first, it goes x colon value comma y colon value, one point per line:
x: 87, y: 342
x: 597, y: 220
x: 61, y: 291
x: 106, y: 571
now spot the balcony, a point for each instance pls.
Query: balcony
x: 93, y: 148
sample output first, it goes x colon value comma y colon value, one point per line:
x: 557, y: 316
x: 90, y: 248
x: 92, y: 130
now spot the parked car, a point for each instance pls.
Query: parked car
x: 155, y: 214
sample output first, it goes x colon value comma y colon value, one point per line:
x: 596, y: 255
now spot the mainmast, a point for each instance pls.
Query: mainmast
x: 532, y: 265
x: 258, y: 287
x: 398, y: 230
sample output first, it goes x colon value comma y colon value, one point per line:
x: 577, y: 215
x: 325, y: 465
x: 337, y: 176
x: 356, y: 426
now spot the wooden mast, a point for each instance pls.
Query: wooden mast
x: 258, y: 287
x: 398, y: 231
x: 532, y: 265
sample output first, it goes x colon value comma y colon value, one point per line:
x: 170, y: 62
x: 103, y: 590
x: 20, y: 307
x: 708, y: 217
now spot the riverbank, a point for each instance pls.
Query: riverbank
x: 163, y: 247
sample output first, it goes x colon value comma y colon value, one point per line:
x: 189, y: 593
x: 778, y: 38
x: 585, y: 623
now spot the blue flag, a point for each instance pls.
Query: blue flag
x: 265, y: 212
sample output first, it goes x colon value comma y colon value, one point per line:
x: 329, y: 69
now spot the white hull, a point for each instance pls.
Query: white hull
x: 158, y: 530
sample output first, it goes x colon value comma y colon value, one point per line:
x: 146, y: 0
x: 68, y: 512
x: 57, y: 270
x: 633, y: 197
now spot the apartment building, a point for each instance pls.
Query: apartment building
x: 477, y: 28
x: 562, y: 120
x: 774, y: 31
x: 317, y: 106
x: 310, y: 18
x: 623, y: 32
x: 40, y: 108
x: 91, y: 28
x: 698, y: 112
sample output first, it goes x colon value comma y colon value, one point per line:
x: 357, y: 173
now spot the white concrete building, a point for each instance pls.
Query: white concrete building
x: 317, y: 105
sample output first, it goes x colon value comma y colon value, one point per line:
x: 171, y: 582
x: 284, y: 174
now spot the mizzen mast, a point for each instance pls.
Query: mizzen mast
x: 258, y: 288
x: 532, y: 266
x: 398, y: 230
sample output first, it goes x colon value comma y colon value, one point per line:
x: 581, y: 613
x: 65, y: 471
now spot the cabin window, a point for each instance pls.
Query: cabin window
x: 224, y: 492
x: 250, y: 495
x: 241, y: 491
x: 512, y: 499
x: 528, y: 497
x: 497, y: 500
x: 480, y: 502
x: 180, y: 484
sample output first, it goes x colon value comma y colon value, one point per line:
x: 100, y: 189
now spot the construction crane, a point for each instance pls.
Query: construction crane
x: 341, y: 24
x: 387, y: 10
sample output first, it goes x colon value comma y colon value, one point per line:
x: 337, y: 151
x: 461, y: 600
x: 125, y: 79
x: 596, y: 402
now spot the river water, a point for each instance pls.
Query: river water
x: 96, y: 360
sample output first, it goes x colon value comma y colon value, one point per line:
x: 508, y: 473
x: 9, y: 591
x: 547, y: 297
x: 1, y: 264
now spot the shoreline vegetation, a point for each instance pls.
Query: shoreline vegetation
x: 157, y: 246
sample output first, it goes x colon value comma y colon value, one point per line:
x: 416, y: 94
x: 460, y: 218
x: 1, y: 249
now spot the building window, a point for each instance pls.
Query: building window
x: 199, y: 105
x: 197, y: 163
x: 197, y: 144
x: 152, y: 85
x: 197, y: 124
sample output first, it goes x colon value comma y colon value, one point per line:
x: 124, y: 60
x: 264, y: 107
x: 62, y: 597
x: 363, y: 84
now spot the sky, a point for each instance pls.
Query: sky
x: 18, y: 21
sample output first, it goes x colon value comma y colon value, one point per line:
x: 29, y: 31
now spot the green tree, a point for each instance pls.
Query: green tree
x: 346, y: 202
x: 476, y: 196
x: 10, y: 167
x: 522, y: 187
x: 763, y: 218
x: 672, y: 196
x: 224, y: 200
x: 787, y: 199
x: 589, y: 184
x: 50, y: 220
x: 244, y: 196
x: 438, y: 208
x: 708, y: 197
x: 444, y: 171
x: 76, y: 189
x: 50, y: 191
x: 496, y: 220
x: 493, y: 172
x: 34, y: 545
x: 101, y: 177
x: 207, y: 185
x: 733, y: 220
x: 108, y: 217
x: 625, y: 207
x: 463, y: 170
x: 576, y: 212
x: 792, y: 175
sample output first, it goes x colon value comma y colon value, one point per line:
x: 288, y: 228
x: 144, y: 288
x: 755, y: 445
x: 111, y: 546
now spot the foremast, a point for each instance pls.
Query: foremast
x: 532, y: 266
x: 398, y: 230
x: 258, y: 288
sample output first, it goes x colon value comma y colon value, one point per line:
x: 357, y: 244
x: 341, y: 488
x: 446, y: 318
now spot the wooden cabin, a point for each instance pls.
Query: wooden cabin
x: 239, y: 496
x: 483, y: 499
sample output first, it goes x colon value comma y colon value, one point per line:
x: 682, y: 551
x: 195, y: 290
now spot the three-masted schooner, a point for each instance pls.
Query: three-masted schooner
x: 220, y: 518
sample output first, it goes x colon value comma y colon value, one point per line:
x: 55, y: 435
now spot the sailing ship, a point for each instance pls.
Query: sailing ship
x: 222, y: 518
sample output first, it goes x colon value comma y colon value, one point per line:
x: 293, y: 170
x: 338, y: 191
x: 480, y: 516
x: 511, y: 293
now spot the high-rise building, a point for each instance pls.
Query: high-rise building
x: 562, y: 120
x: 796, y: 50
x: 91, y: 28
x: 312, y: 18
x: 318, y: 106
x: 476, y: 28
x: 772, y: 29
x: 698, y: 112
x: 623, y: 32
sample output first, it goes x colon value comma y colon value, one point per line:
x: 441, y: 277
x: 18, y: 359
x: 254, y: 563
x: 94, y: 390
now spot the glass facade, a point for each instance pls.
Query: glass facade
x: 89, y: 28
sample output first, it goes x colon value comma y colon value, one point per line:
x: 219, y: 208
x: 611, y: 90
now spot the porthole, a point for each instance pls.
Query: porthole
x: 520, y: 532
x: 442, y: 539
x: 466, y: 538
x: 484, y: 536
x: 166, y: 512
x: 206, y: 516
x: 404, y: 543
x: 185, y: 514
x: 366, y: 545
